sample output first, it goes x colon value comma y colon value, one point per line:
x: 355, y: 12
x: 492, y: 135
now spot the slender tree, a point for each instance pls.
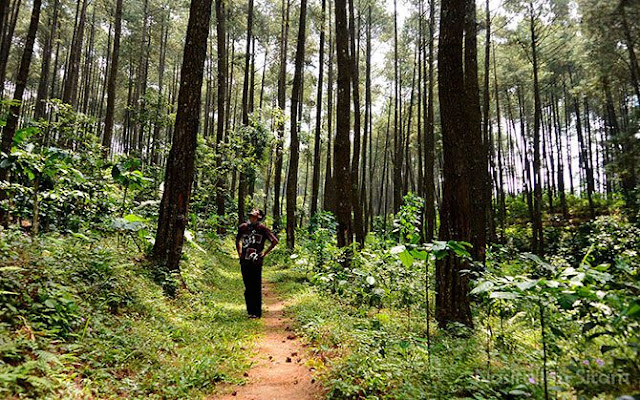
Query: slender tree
x: 296, y: 98
x: 223, y: 72
x: 356, y: 203
x: 477, y: 144
x: 9, y: 22
x: 429, y: 162
x: 242, y: 181
x: 72, y: 73
x: 43, y: 83
x: 9, y: 130
x: 282, y: 88
x: 112, y: 82
x: 315, y: 185
x: 329, y: 195
x: 538, y: 232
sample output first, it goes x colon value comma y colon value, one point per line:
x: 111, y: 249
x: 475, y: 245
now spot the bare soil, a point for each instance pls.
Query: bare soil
x: 279, y: 371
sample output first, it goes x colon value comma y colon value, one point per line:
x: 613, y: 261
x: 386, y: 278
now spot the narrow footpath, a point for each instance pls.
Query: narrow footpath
x: 279, y: 370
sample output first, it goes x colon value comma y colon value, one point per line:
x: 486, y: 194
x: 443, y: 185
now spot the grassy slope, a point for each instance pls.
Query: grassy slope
x: 85, y: 318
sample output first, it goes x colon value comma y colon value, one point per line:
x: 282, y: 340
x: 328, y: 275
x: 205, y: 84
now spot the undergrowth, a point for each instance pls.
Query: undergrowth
x: 84, y: 316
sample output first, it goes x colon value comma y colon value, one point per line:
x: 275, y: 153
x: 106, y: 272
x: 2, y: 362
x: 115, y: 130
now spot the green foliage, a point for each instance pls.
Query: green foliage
x: 127, y: 174
x: 594, y: 302
x: 408, y: 222
x: 88, y: 313
x: 68, y: 186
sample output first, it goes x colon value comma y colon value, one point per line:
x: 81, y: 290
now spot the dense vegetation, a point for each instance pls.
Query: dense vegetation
x: 457, y: 184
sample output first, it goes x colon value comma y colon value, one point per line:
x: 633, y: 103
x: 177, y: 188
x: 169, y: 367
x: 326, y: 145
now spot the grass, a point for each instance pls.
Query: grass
x: 110, y: 331
x: 369, y: 353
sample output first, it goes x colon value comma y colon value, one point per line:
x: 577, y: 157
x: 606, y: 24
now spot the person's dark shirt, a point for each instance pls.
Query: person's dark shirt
x: 253, y: 237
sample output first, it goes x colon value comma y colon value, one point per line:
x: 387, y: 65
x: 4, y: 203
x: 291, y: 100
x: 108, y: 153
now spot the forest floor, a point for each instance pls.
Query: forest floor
x: 279, y: 367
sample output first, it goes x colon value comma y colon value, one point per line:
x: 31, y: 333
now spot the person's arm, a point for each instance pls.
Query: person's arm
x: 239, y: 242
x: 271, y: 246
x: 273, y: 241
x: 239, y: 248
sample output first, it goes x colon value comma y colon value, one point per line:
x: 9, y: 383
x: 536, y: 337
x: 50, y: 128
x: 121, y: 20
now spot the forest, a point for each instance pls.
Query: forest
x: 454, y: 185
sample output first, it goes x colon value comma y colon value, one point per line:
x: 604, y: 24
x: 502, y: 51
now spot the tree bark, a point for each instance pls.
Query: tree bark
x: 397, y: 129
x: 342, y: 148
x: 430, y: 157
x: 478, y: 165
x: 6, y: 40
x: 242, y: 180
x: 282, y: 89
x: 452, y: 287
x: 329, y: 196
x: 111, y: 85
x: 538, y: 230
x: 173, y: 214
x: 43, y: 83
x: 21, y: 82
x: 155, y: 153
x: 70, y: 89
x: 223, y: 72
x: 315, y: 184
x: 296, y: 99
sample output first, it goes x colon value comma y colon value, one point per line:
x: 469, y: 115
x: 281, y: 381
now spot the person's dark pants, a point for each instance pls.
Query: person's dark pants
x: 252, y: 278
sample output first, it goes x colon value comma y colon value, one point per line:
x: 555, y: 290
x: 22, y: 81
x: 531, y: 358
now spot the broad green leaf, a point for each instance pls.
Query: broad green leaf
x: 634, y: 310
x: 504, y: 295
x: 419, y: 254
x: 134, y: 218
x: 483, y: 287
x: 397, y: 249
x: 406, y: 258
x: 526, y: 285
x: 566, y: 301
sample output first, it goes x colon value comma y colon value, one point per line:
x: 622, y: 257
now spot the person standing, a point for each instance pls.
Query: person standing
x: 250, y: 242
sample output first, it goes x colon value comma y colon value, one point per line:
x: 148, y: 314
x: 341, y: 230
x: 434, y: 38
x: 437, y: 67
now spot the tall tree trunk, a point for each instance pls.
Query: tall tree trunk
x: 223, y: 72
x: 452, y: 287
x: 358, y: 225
x: 242, y: 181
x: 502, y: 209
x: 70, y: 89
x: 633, y: 60
x: 21, y: 82
x: 487, y: 135
x: 43, y: 83
x: 397, y: 129
x: 538, y: 230
x: 173, y: 216
x: 87, y: 73
x: 342, y: 147
x: 315, y: 184
x: 6, y: 40
x: 111, y: 85
x: 559, y: 152
x: 368, y: 131
x: 296, y: 99
x: 329, y: 196
x: 141, y: 84
x: 282, y: 89
x: 430, y: 157
x: 478, y: 165
x: 4, y: 11
x: 160, y: 110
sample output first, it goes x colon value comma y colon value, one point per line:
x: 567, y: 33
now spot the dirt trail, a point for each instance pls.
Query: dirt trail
x: 279, y: 371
